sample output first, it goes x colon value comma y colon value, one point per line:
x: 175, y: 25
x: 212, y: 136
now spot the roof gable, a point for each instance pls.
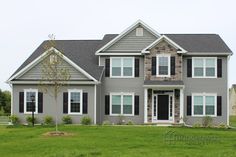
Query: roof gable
x: 34, y: 72
x: 139, y: 23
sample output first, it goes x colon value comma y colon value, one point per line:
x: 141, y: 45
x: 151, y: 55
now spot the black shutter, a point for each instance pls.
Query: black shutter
x: 65, y: 102
x: 85, y: 103
x: 219, y: 106
x: 172, y: 63
x: 40, y: 102
x: 154, y: 63
x: 136, y: 105
x: 219, y: 67
x: 107, y: 67
x: 21, y: 102
x: 136, y: 67
x: 189, y: 67
x: 189, y: 105
x: 107, y: 104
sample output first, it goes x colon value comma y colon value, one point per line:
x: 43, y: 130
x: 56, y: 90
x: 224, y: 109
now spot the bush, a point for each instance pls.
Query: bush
x: 222, y: 126
x: 121, y: 120
x: 130, y: 122
x: 29, y: 120
x: 86, y: 120
x: 48, y: 120
x: 67, y: 119
x: 197, y: 125
x: 207, y: 121
x: 106, y: 122
x: 14, y: 119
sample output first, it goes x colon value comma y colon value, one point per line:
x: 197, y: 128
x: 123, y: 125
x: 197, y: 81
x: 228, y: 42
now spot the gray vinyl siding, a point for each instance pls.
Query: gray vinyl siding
x: 49, y: 107
x: 132, y: 85
x: 35, y: 72
x: 133, y: 42
x: 207, y: 85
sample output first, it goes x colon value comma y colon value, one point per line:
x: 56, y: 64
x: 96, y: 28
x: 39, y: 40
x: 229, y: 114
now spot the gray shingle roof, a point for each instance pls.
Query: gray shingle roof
x: 155, y: 82
x: 200, y: 42
x: 81, y: 52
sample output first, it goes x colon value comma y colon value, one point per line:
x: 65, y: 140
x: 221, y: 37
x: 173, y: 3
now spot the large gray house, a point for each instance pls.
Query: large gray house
x: 145, y: 76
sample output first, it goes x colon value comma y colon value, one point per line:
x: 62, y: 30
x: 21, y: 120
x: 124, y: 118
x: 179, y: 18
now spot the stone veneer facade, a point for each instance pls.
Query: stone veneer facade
x: 163, y: 48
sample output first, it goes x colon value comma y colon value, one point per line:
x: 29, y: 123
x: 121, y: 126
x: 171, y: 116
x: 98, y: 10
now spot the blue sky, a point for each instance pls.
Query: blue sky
x: 26, y: 23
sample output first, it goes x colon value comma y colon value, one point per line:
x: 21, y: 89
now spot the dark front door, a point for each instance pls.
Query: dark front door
x: 163, y: 107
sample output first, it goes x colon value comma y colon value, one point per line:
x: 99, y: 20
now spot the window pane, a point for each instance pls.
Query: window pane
x: 127, y: 102
x: 163, y: 70
x: 210, y: 62
x: 75, y: 107
x: 128, y: 62
x: 127, y: 71
x: 210, y: 110
x: 28, y: 96
x: 210, y: 100
x: 29, y: 106
x: 116, y: 104
x: 163, y: 61
x: 198, y: 100
x: 198, y: 105
x: 116, y: 71
x: 198, y: 71
x: 116, y: 62
x: 198, y: 62
x: 75, y: 97
x: 210, y: 71
x: 198, y: 110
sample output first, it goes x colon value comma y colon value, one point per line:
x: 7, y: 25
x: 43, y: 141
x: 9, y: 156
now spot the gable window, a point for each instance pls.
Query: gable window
x: 75, y: 101
x: 53, y: 59
x: 163, y: 65
x: 29, y: 105
x: 122, y: 104
x: 204, y: 67
x: 204, y: 105
x: 122, y: 67
x: 139, y: 31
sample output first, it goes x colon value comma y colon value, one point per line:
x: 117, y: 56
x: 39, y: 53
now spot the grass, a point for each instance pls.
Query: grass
x: 233, y: 121
x: 117, y: 141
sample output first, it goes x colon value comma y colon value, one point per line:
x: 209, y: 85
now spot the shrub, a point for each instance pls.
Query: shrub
x: 29, y: 120
x: 207, y: 121
x: 222, y: 126
x: 86, y: 120
x: 106, y: 122
x: 130, y: 122
x: 67, y: 119
x: 14, y: 119
x: 197, y: 125
x: 121, y: 120
x: 48, y: 120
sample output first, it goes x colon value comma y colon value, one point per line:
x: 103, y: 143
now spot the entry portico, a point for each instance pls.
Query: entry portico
x: 163, y: 102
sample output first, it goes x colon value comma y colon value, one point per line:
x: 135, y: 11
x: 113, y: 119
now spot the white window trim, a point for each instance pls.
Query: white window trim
x: 204, y: 67
x: 36, y: 100
x: 121, y: 94
x: 81, y: 101
x: 204, y: 104
x: 157, y: 65
x: 122, y: 67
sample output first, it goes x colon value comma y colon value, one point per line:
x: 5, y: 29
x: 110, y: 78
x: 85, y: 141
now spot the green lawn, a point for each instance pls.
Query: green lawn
x: 118, y: 141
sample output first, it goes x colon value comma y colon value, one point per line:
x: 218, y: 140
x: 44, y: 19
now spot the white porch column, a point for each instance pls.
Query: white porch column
x: 181, y: 115
x: 145, y: 104
x: 95, y: 105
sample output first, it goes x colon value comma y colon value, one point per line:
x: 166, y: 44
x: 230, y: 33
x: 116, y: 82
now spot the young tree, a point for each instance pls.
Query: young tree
x: 53, y: 74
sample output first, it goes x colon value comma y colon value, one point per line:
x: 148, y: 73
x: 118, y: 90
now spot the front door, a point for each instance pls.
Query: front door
x: 163, y: 107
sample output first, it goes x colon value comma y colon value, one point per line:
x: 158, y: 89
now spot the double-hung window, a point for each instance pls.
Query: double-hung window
x: 75, y: 101
x: 204, y: 104
x: 122, y: 104
x: 30, y: 101
x: 122, y: 67
x: 163, y: 65
x: 204, y: 67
